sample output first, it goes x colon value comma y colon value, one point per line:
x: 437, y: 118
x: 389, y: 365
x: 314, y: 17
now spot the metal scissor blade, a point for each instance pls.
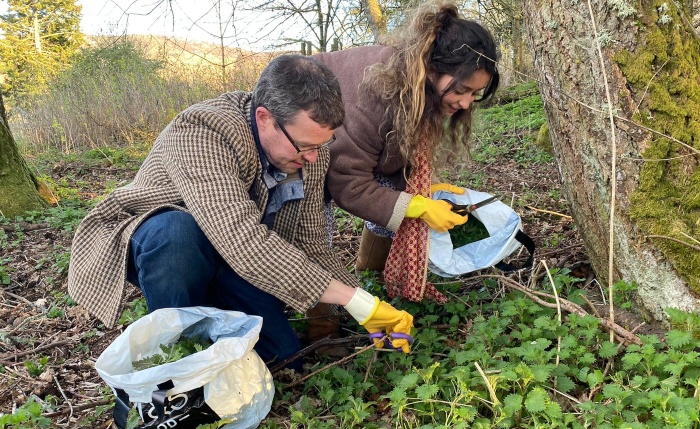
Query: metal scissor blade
x: 482, y: 203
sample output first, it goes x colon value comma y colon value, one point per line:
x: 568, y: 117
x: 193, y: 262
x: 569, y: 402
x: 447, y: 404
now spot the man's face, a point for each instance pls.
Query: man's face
x: 304, y: 132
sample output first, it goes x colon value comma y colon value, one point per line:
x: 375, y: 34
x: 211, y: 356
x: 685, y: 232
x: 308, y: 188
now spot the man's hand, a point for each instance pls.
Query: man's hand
x: 378, y: 316
x: 436, y: 213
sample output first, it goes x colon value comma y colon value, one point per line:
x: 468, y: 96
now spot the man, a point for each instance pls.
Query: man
x: 227, y: 211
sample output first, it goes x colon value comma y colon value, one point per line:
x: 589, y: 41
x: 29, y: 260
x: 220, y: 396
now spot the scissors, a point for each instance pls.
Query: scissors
x: 465, y: 209
x: 391, y: 337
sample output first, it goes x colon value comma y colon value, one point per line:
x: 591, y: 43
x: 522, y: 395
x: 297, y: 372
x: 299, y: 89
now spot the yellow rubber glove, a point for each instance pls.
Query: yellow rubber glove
x: 446, y: 187
x: 436, y: 213
x: 378, y: 316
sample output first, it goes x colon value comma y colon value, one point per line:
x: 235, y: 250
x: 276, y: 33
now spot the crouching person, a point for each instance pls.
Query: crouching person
x: 227, y: 211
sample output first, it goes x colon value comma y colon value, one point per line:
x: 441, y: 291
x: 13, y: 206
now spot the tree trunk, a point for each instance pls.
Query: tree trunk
x: 375, y: 17
x: 18, y: 186
x: 654, y: 86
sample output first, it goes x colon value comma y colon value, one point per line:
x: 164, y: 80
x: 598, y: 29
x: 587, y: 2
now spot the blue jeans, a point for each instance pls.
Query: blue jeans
x: 175, y: 265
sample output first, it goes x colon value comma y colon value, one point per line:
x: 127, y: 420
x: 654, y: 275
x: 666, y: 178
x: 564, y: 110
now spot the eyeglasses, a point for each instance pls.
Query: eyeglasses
x: 296, y: 146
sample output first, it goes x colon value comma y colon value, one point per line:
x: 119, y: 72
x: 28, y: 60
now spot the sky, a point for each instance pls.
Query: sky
x: 192, y: 19
x: 195, y: 20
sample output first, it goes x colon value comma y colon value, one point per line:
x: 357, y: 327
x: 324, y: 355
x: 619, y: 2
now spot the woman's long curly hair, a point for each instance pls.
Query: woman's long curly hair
x: 434, y: 41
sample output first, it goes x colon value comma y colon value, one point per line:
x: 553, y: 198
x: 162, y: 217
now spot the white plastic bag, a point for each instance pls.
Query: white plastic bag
x: 227, y: 380
x: 505, y: 237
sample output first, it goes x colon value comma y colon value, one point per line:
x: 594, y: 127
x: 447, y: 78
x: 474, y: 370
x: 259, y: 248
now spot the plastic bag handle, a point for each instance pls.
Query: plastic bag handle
x: 529, y: 244
x: 122, y: 405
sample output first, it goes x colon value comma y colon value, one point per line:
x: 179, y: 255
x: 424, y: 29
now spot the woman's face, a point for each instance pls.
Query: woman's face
x: 463, y: 94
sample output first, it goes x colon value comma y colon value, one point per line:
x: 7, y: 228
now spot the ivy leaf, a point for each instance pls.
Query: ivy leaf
x: 677, y: 339
x: 607, y: 350
x: 565, y: 384
x: 427, y: 391
x: 536, y: 400
x: 512, y: 403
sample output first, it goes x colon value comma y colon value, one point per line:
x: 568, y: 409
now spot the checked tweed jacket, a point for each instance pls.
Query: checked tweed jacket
x: 206, y: 163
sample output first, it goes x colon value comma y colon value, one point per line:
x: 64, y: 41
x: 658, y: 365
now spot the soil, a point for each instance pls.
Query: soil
x: 31, y: 327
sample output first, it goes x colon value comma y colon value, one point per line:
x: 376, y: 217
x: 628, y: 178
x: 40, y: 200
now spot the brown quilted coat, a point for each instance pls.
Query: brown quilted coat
x: 205, y: 162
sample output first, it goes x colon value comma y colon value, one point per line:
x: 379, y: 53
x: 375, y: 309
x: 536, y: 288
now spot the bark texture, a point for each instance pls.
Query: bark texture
x: 567, y: 66
x: 18, y: 187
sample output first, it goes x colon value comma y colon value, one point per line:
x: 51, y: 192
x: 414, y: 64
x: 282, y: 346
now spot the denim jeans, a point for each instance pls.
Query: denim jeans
x: 175, y: 265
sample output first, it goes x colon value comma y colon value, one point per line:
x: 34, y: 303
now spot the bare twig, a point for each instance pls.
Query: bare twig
x: 692, y: 246
x: 613, y: 168
x: 569, y: 306
x: 320, y: 343
x: 82, y: 407
x: 336, y: 363
x: 548, y: 212
x: 556, y: 297
x: 60, y: 389
x: 4, y: 361
x: 492, y: 392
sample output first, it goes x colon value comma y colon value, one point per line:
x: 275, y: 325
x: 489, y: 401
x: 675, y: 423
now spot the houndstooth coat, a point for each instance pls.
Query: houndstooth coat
x: 206, y: 163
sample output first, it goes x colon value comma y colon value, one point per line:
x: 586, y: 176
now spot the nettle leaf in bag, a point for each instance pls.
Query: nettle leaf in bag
x: 505, y: 236
x: 226, y: 381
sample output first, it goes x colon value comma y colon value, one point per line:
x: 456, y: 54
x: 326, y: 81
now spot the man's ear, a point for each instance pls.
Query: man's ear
x: 263, y: 118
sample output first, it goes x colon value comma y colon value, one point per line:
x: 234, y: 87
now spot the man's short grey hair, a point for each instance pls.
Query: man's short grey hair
x: 292, y: 83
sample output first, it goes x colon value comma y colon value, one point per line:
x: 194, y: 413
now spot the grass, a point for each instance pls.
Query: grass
x: 510, y: 130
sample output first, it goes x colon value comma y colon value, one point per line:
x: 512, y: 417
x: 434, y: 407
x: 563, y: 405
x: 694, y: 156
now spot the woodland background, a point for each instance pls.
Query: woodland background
x: 593, y: 138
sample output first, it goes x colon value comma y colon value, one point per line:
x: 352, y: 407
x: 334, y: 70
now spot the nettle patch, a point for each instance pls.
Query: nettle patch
x: 488, y: 360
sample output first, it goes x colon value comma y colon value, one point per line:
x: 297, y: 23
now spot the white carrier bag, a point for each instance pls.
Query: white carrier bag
x: 505, y: 237
x: 227, y: 380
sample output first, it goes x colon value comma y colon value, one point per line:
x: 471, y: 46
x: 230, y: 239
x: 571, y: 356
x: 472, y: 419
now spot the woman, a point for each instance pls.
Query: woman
x: 402, y: 101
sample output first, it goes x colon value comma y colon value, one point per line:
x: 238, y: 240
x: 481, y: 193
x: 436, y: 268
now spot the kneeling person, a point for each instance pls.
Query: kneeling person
x: 227, y: 211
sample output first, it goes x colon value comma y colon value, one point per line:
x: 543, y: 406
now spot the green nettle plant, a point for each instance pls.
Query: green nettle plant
x: 480, y: 362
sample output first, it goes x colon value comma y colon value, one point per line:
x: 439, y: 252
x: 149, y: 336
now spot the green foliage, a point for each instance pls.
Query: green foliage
x: 345, y: 222
x: 36, y: 368
x: 28, y: 416
x: 469, y: 232
x: 623, y: 293
x: 134, y: 311
x: 173, y: 352
x: 532, y: 362
x: 511, y: 131
x: 39, y: 39
x: 5, y: 271
x: 113, y: 93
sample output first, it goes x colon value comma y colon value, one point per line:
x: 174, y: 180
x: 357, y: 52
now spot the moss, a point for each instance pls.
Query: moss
x: 544, y: 141
x: 667, y: 201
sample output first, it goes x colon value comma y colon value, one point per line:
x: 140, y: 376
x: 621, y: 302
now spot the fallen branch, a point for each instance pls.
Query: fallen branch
x: 567, y: 305
x: 320, y: 343
x: 336, y: 363
x: 549, y: 212
x: 4, y: 361
x: 79, y: 408
x: 676, y: 240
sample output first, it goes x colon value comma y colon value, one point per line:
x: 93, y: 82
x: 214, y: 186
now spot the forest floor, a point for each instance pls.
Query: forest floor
x: 48, y: 345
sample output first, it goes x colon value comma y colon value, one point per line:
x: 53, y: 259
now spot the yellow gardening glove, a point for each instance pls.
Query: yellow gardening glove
x: 446, y: 187
x: 378, y: 316
x: 436, y: 213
